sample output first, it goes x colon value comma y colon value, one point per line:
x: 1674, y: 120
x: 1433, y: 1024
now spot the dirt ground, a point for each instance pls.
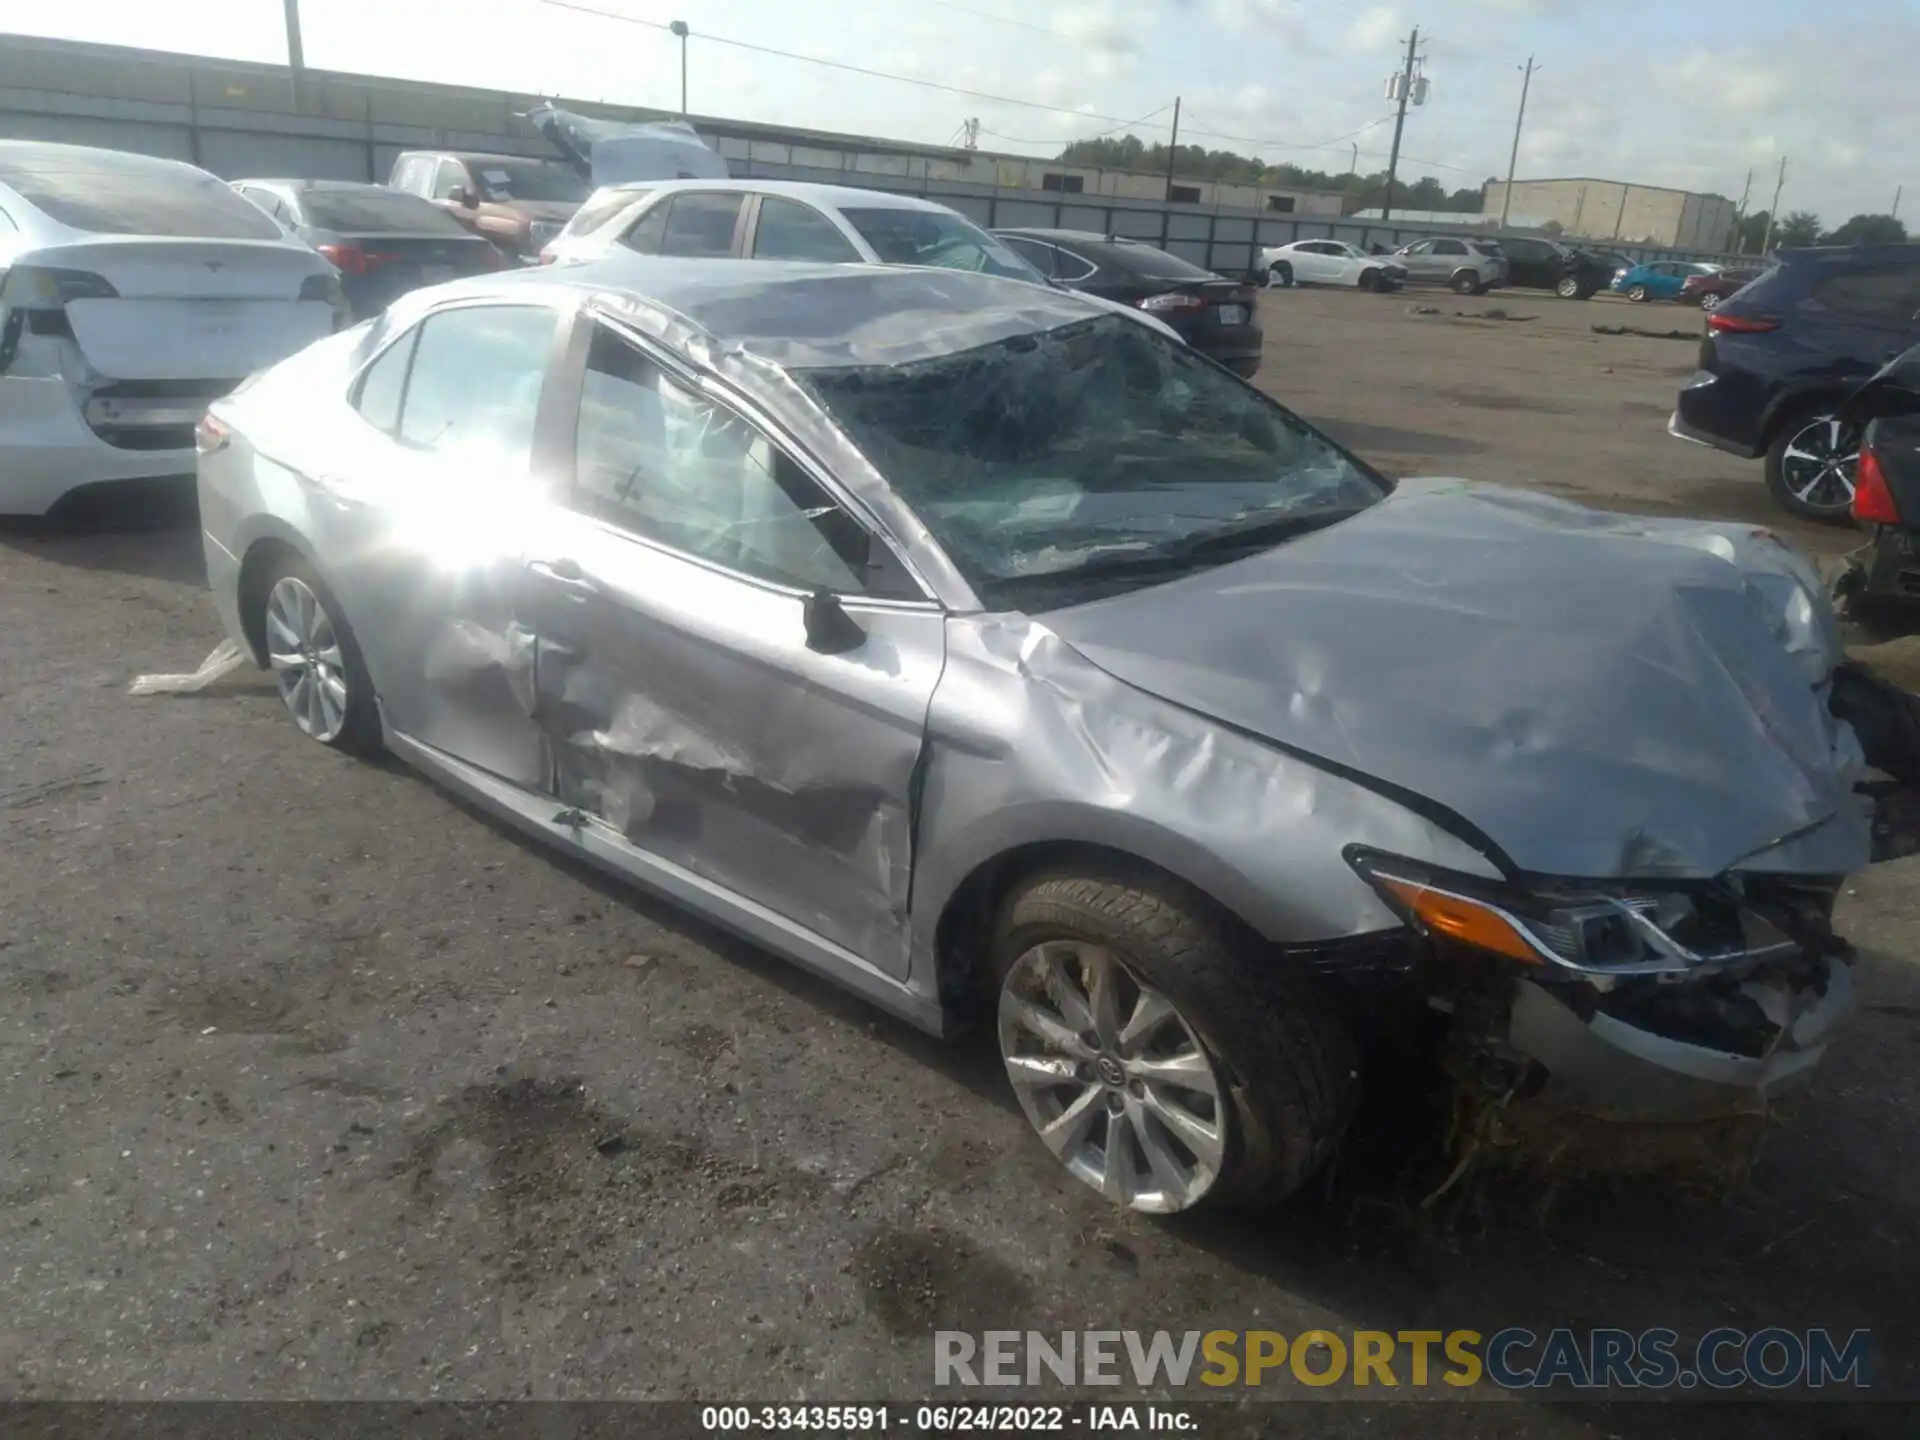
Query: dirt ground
x: 315, y: 1083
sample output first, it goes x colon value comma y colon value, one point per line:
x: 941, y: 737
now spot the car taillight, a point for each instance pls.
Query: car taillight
x: 1173, y: 300
x: 209, y: 435
x: 352, y: 260
x: 1741, y: 324
x: 1872, y: 500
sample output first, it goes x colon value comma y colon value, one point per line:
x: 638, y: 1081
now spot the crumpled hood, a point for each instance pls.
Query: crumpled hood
x: 1599, y: 695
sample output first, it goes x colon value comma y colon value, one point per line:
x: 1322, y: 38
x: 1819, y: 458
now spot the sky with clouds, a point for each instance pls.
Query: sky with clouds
x: 1690, y: 96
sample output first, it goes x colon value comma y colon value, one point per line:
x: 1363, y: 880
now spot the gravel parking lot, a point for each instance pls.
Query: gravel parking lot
x: 319, y: 1084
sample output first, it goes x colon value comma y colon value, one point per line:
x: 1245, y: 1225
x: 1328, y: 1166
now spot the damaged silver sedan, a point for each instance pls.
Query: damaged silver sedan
x: 992, y: 655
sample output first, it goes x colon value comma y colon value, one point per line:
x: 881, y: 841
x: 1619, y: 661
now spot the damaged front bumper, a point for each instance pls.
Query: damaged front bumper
x: 1690, y: 1051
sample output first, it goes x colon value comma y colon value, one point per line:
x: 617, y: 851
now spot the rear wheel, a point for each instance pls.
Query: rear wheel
x: 1811, y: 466
x: 1279, y: 275
x: 316, y: 662
x: 1465, y: 282
x: 1160, y: 1063
x: 1709, y: 301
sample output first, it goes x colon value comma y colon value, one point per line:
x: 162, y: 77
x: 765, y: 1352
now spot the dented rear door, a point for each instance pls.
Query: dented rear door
x: 683, y: 703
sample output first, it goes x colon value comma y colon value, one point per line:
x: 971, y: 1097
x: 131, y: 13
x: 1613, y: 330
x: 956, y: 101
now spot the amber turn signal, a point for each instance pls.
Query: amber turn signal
x: 1456, y: 918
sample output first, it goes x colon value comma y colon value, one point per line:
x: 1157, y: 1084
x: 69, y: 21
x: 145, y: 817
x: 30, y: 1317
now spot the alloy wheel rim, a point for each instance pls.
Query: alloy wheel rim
x: 304, y: 650
x: 1709, y: 301
x: 1568, y: 288
x: 1820, y: 462
x: 1112, y: 1077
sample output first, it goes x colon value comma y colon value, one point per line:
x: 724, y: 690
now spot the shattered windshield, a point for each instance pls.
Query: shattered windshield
x: 1089, y: 459
x: 930, y: 237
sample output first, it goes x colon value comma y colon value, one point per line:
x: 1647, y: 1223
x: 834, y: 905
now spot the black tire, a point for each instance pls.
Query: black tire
x: 1370, y: 280
x: 1287, y: 1059
x: 359, y: 734
x: 1280, y: 276
x: 1638, y: 294
x: 1465, y: 282
x: 1830, y: 503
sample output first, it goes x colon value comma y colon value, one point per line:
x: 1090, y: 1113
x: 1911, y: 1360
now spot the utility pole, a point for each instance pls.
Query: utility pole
x: 679, y: 27
x: 1400, y: 122
x: 1506, y: 197
x: 296, y: 54
x: 1353, y: 167
x: 1773, y: 213
x: 1896, y: 201
x: 1173, y: 146
x: 1740, y: 213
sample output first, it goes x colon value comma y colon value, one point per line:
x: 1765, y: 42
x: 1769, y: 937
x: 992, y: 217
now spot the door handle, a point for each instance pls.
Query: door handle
x: 566, y: 576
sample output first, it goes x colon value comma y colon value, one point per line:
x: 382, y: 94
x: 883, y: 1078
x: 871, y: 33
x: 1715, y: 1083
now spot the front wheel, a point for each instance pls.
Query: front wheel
x: 1369, y: 280
x: 1279, y: 276
x: 316, y: 662
x: 1811, y: 467
x: 1638, y: 294
x: 1568, y: 288
x: 1161, y: 1064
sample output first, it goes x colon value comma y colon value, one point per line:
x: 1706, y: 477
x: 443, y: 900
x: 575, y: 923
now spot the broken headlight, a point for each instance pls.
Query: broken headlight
x: 1596, y: 930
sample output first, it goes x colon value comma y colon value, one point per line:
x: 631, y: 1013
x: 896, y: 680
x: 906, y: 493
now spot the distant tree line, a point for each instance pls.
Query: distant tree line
x: 1802, y: 227
x: 1196, y: 162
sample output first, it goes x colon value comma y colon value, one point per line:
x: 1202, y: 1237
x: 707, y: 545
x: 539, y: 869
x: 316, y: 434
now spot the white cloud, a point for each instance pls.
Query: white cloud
x: 1375, y: 29
x: 1097, y: 27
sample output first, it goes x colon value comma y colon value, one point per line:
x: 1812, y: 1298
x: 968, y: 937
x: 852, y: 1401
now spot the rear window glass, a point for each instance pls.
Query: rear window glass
x: 377, y: 212
x: 136, y: 198
x: 1146, y: 261
x: 503, y: 180
x: 1889, y: 294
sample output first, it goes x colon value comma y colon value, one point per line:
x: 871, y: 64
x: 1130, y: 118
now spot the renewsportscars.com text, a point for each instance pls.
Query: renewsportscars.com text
x: 1514, y: 1358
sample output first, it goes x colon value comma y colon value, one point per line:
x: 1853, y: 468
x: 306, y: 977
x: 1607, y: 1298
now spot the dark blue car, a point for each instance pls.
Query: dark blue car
x: 383, y: 242
x: 1780, y: 356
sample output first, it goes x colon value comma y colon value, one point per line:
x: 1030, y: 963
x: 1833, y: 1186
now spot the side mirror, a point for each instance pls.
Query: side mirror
x: 462, y: 196
x: 830, y: 629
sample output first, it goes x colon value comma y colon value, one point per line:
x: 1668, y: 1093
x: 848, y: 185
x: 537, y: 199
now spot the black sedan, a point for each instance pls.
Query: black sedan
x: 1537, y: 263
x: 383, y: 242
x: 1212, y: 314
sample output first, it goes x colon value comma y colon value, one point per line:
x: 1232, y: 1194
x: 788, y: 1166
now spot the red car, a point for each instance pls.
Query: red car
x: 1709, y: 289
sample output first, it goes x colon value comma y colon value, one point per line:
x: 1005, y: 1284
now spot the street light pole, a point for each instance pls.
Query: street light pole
x: 1513, y: 159
x: 1773, y: 215
x: 296, y: 53
x: 679, y: 27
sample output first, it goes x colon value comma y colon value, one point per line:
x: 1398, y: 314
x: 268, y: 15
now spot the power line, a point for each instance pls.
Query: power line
x: 1075, y: 139
x: 709, y: 38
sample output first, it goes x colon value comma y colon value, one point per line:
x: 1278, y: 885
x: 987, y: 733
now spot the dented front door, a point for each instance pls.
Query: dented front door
x: 685, y: 711
x: 682, y: 702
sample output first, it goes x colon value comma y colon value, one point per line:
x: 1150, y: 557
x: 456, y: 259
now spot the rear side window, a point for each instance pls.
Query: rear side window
x: 649, y: 230
x: 383, y: 384
x: 701, y: 224
x: 375, y: 212
x: 602, y: 207
x: 474, y: 388
x: 1032, y: 251
x: 788, y: 230
x: 1888, y: 294
x: 108, y: 195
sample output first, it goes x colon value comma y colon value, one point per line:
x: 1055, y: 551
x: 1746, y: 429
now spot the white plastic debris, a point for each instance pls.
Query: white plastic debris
x: 225, y: 659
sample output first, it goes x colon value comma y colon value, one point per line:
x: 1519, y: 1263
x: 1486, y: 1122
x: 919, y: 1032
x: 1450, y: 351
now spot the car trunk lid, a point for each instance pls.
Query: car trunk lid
x: 187, y: 308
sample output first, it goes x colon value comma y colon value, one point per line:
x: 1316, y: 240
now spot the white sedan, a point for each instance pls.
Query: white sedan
x: 1330, y: 262
x: 135, y: 291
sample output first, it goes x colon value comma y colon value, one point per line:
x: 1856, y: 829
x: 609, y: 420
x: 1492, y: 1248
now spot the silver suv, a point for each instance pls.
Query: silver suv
x: 1467, y: 265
